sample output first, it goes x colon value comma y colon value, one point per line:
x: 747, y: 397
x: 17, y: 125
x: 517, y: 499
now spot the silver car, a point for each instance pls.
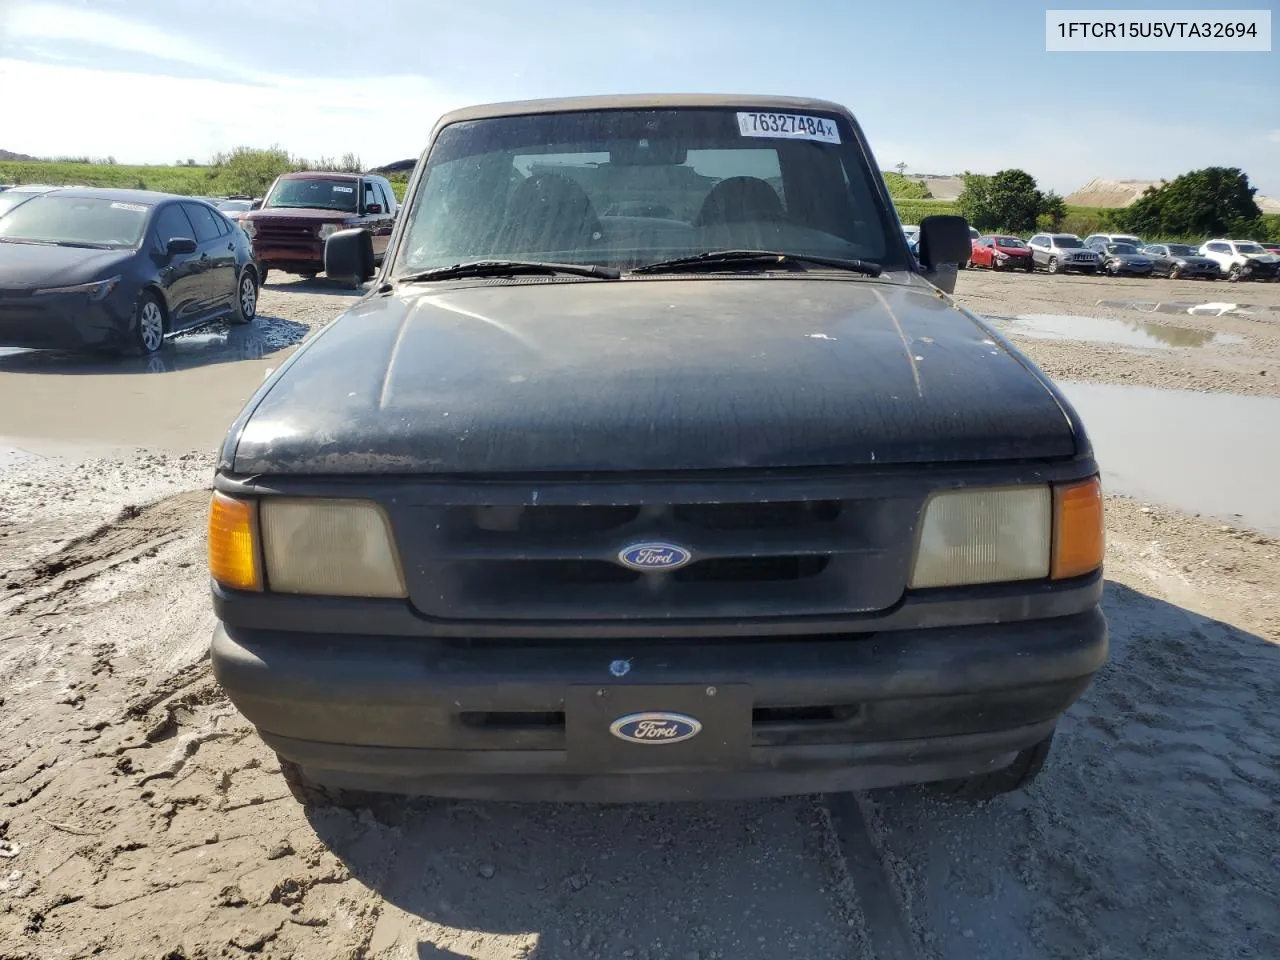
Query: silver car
x: 1061, y: 252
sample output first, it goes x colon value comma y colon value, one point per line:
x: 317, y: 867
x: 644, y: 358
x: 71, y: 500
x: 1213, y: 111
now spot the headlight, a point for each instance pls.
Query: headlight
x: 338, y: 548
x: 328, y: 230
x: 249, y: 227
x: 1001, y: 256
x: 999, y: 534
x: 334, y: 547
x: 96, y: 290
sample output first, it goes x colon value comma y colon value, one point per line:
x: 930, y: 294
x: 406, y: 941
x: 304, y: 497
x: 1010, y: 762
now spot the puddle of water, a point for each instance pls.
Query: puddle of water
x: 1214, y: 454
x: 212, y: 344
x: 1214, y: 309
x: 1128, y: 333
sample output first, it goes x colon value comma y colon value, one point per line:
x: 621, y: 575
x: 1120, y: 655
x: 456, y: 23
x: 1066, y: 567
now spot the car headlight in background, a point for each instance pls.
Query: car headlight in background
x: 338, y: 548
x: 249, y: 227
x: 327, y: 230
x: 1000, y: 534
x: 95, y: 290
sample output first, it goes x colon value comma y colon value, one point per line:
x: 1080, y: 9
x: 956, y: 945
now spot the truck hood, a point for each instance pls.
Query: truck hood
x: 687, y: 373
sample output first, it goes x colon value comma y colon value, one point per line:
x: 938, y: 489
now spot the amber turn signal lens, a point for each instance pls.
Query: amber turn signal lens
x: 233, y: 548
x: 1078, y: 539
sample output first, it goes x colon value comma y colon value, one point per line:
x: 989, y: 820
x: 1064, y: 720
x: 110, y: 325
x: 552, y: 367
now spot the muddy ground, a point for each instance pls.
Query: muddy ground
x: 141, y: 818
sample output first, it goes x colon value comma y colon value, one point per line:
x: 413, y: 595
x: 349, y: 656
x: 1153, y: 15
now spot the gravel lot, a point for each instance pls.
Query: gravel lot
x: 141, y: 818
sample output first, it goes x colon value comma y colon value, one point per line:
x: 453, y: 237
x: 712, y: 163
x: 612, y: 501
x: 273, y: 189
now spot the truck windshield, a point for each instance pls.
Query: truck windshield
x: 320, y: 194
x: 622, y: 188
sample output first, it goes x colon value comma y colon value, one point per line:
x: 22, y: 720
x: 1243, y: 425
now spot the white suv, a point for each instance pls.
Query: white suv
x: 1060, y: 252
x: 1242, y: 259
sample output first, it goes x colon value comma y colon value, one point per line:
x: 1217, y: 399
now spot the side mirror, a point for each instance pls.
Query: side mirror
x: 373, y: 208
x: 179, y: 246
x: 348, y: 255
x: 255, y: 205
x: 944, y: 239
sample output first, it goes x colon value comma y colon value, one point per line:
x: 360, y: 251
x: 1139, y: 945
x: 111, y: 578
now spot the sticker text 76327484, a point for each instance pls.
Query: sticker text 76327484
x: 789, y: 125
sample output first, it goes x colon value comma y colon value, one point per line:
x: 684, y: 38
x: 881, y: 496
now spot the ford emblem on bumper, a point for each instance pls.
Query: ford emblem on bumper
x: 654, y: 556
x: 655, y: 728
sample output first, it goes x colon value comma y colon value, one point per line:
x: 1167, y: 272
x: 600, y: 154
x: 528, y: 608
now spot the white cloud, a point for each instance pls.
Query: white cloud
x: 145, y: 118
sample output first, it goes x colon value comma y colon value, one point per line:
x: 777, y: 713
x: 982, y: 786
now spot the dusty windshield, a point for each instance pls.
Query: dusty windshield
x: 627, y: 187
x: 319, y: 193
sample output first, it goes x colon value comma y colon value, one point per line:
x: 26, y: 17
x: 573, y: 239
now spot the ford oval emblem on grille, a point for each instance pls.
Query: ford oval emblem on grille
x: 654, y: 556
x: 655, y: 728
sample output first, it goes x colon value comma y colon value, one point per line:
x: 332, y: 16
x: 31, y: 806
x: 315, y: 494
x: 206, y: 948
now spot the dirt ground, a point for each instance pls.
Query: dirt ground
x: 140, y: 817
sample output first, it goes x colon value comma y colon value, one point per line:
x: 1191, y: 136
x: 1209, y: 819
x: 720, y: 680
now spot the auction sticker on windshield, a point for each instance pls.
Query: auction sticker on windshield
x: 788, y: 125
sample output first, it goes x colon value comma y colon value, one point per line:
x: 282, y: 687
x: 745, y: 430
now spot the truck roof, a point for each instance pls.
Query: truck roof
x: 636, y: 101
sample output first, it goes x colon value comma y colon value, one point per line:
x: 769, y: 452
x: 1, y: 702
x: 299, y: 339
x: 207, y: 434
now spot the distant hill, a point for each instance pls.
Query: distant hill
x: 1102, y: 192
x: 398, y: 166
x: 940, y: 186
x: 17, y: 157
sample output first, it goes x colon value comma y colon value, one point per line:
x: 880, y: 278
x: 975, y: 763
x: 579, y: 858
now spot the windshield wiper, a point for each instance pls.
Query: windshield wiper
x: 714, y: 259
x: 509, y: 268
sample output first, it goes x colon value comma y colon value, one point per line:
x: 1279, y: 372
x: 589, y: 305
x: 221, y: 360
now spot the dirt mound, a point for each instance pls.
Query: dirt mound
x: 1101, y: 192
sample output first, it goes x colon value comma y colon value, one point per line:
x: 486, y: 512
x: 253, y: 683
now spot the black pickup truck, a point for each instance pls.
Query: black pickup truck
x: 652, y: 466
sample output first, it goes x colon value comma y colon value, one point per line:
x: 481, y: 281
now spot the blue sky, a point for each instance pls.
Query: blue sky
x: 942, y: 86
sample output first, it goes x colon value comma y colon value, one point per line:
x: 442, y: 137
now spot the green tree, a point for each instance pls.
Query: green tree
x: 1215, y: 201
x: 904, y: 188
x: 974, y: 201
x: 1053, y: 211
x: 1014, y: 201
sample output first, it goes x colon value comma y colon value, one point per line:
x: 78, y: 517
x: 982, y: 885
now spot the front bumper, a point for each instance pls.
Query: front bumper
x: 64, y: 321
x: 530, y: 719
x: 298, y: 257
x: 1133, y: 270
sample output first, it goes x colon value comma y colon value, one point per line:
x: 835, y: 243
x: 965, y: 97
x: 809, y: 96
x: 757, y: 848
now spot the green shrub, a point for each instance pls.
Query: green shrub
x: 904, y: 188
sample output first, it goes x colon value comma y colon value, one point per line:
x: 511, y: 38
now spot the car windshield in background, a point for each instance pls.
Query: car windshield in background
x: 1067, y: 242
x: 1011, y: 242
x: 76, y: 222
x: 321, y: 194
x: 622, y: 188
x: 1182, y: 250
x: 1121, y: 248
x: 1249, y: 248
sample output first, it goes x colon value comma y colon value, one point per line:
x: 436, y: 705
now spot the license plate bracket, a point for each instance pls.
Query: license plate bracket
x: 723, y: 741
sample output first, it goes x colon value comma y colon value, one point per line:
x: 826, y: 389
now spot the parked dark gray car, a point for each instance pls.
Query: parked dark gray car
x: 1123, y: 259
x: 724, y: 502
x: 88, y: 268
x: 1180, y: 260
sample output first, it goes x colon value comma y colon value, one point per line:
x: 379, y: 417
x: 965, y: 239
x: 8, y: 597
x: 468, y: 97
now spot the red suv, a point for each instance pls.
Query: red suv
x: 301, y: 210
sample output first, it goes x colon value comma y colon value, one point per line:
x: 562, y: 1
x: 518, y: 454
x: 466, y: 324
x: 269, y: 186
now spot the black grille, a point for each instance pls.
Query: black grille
x: 286, y: 232
x: 749, y: 558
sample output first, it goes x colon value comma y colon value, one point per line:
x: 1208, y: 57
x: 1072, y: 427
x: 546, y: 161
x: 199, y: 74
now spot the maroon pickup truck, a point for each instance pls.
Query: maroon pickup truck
x: 301, y: 210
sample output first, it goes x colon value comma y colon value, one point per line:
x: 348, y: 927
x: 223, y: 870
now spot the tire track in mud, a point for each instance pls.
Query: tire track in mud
x: 136, y: 532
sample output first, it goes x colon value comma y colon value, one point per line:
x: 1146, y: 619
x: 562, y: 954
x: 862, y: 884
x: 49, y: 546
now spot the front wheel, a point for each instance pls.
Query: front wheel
x: 147, y: 335
x: 1235, y: 273
x: 1025, y: 768
x: 1052, y: 265
x: 246, y: 307
x: 1175, y: 272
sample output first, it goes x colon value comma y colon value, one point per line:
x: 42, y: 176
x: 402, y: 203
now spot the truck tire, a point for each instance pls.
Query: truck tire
x: 986, y: 786
x: 311, y: 794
